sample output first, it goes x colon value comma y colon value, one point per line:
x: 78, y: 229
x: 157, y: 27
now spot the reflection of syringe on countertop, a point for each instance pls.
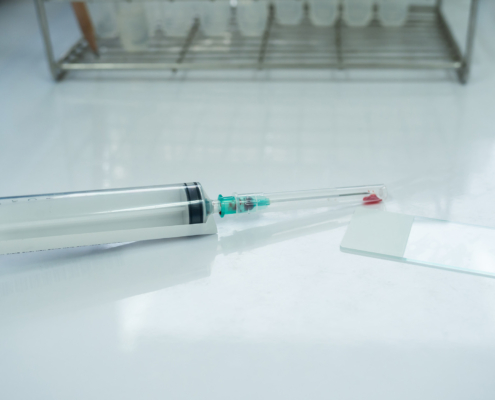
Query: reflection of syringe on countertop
x: 65, y: 280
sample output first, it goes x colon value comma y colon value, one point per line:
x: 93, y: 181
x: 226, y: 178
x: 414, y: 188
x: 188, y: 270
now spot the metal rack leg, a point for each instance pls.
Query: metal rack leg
x: 455, y: 51
x: 266, y: 37
x: 468, y: 54
x: 338, y: 39
x: 187, y: 43
x: 56, y: 72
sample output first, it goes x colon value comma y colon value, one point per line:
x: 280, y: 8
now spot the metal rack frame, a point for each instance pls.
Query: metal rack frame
x: 424, y: 42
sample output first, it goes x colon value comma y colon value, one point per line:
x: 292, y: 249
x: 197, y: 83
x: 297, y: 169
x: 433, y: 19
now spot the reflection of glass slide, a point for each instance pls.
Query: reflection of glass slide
x: 421, y: 241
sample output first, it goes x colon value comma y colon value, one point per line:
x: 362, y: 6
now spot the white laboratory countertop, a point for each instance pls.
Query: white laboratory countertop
x: 270, y: 308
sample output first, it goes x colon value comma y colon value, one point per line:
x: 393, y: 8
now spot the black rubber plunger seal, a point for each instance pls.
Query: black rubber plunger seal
x: 196, y: 203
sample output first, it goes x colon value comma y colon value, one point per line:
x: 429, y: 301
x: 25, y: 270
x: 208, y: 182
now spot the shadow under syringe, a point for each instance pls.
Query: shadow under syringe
x: 57, y: 282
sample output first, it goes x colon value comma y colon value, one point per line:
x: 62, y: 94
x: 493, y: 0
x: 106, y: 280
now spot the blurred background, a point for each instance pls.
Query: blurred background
x: 247, y: 96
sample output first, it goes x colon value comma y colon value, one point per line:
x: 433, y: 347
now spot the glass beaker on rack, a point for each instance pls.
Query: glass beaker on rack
x: 393, y: 13
x: 358, y: 13
x: 215, y: 17
x: 323, y: 12
x: 288, y: 12
x: 133, y: 26
x: 252, y: 17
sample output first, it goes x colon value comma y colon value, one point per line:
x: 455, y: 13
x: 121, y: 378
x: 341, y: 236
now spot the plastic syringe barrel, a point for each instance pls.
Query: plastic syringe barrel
x: 303, y: 199
x: 58, y: 220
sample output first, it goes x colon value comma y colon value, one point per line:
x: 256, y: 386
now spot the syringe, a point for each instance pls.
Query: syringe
x: 50, y: 221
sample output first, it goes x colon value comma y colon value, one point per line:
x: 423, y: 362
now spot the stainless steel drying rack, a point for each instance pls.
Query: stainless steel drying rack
x: 424, y: 42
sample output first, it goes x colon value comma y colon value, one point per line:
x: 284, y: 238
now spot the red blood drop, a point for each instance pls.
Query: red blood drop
x: 372, y: 199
